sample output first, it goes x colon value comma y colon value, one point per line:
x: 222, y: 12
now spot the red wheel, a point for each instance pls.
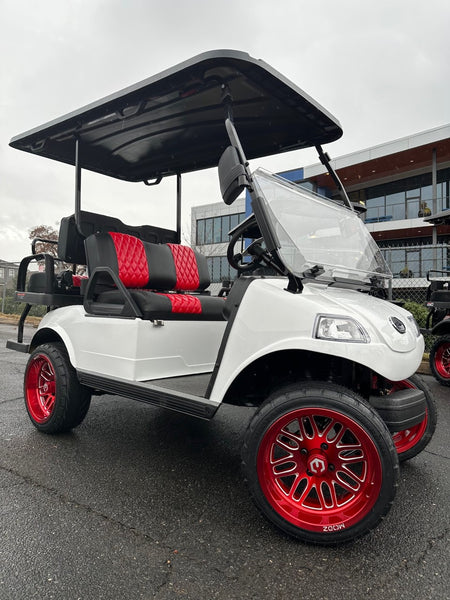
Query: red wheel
x: 440, y: 360
x: 40, y: 388
x: 410, y: 442
x: 319, y: 469
x: 325, y: 463
x: 54, y: 398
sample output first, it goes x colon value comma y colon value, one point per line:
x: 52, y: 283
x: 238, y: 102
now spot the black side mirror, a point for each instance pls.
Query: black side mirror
x: 232, y: 175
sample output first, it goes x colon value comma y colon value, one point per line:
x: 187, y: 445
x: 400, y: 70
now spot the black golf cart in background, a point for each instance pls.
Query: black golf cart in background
x: 438, y: 304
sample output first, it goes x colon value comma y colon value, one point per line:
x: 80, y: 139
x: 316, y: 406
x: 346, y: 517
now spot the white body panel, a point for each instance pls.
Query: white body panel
x: 134, y: 349
x: 271, y: 319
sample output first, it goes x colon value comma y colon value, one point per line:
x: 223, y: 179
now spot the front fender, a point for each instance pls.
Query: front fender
x: 270, y: 320
x: 377, y: 357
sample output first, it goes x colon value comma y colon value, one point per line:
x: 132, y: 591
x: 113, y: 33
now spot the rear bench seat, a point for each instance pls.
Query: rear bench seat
x: 131, y: 277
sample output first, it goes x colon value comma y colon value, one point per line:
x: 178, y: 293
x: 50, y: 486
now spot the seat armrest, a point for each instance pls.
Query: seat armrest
x: 129, y: 307
x: 49, y: 263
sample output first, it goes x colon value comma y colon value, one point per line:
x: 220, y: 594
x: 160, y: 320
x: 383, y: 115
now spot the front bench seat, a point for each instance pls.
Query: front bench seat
x: 131, y: 277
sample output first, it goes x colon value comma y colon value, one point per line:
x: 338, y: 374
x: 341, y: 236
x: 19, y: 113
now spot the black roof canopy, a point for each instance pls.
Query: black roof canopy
x: 173, y: 122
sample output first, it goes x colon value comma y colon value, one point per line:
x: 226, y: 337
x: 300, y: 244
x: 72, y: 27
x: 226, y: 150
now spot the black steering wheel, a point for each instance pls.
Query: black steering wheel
x: 254, y: 250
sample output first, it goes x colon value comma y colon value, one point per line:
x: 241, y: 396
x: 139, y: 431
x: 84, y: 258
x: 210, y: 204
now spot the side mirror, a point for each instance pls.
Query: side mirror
x: 232, y: 175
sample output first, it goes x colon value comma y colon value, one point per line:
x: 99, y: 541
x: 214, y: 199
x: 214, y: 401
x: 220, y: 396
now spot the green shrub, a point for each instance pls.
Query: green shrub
x: 12, y: 307
x: 418, y: 311
x: 420, y: 314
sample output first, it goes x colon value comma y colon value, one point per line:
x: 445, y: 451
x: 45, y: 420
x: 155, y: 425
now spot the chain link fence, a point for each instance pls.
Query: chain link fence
x: 410, y: 266
x: 413, y: 267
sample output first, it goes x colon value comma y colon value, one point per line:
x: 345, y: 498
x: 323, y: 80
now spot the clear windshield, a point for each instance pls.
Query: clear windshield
x: 313, y: 230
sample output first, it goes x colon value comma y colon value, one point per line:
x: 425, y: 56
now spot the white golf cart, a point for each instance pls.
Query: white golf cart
x: 303, y: 335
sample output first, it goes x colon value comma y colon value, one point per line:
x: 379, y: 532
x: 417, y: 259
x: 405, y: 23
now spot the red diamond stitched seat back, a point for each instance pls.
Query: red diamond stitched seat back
x: 131, y: 259
x: 151, y: 275
x: 186, y: 267
x: 161, y: 267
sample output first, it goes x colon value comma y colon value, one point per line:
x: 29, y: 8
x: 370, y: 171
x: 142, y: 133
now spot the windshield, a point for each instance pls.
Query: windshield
x: 313, y: 230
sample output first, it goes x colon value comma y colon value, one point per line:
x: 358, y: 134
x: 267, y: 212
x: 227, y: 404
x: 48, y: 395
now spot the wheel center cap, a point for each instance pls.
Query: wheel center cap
x: 317, y: 463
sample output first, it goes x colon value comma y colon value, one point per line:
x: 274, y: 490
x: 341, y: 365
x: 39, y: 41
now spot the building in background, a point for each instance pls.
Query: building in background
x: 209, y: 235
x: 8, y: 278
x: 8, y: 273
x: 399, y: 183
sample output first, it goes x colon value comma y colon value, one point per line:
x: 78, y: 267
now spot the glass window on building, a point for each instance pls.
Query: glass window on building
x: 234, y: 221
x: 225, y: 228
x: 200, y: 232
x: 220, y: 269
x: 408, y: 198
x: 215, y: 229
x: 414, y: 203
x: 375, y: 209
x: 395, y: 206
x: 208, y: 231
x: 12, y: 273
x: 414, y: 208
x: 2, y: 273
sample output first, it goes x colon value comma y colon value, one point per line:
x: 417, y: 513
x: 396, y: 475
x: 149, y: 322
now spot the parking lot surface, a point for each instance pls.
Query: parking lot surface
x: 139, y: 502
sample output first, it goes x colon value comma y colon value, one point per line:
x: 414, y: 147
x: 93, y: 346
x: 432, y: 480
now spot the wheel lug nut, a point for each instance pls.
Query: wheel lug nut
x: 304, y: 451
x: 324, y: 446
x: 331, y: 467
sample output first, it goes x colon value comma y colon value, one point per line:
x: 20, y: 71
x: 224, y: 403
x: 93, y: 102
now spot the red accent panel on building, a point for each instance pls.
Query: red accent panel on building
x: 184, y: 304
x: 186, y: 267
x: 132, y: 260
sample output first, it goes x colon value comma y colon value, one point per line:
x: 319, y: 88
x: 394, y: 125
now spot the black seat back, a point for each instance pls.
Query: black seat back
x: 71, y: 241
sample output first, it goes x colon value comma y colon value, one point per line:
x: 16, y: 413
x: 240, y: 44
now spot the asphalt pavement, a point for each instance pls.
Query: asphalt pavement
x: 139, y: 502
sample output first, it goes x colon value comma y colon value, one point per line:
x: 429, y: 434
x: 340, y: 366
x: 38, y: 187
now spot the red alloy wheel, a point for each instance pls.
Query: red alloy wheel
x: 442, y: 360
x: 319, y: 469
x: 408, y: 438
x: 40, y: 388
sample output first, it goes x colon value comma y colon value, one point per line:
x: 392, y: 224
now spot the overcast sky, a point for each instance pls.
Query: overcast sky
x: 381, y: 67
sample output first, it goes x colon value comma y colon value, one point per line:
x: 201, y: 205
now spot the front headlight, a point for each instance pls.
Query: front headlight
x: 414, y: 324
x: 340, y: 329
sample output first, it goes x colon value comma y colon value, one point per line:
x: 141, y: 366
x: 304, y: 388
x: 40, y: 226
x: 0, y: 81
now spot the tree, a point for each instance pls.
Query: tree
x: 49, y: 234
x: 45, y: 232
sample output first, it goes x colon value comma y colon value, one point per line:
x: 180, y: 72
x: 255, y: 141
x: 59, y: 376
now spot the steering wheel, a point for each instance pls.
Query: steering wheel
x: 254, y: 250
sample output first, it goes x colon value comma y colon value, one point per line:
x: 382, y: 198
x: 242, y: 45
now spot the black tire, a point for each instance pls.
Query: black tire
x: 440, y: 360
x: 54, y: 398
x: 320, y: 463
x: 412, y: 441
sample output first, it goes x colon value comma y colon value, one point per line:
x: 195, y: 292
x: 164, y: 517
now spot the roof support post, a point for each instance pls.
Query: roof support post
x: 77, y: 184
x: 178, y: 208
x: 434, y: 179
x: 434, y: 238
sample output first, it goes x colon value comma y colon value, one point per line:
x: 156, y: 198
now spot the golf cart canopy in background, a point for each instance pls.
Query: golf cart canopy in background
x: 173, y: 122
x: 440, y: 218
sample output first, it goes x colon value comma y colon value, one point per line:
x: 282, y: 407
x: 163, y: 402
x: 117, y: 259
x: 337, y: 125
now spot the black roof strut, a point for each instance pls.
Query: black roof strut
x: 325, y: 160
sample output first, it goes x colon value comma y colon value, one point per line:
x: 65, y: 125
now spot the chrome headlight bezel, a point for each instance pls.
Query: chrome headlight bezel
x: 340, y: 328
x: 415, y: 325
